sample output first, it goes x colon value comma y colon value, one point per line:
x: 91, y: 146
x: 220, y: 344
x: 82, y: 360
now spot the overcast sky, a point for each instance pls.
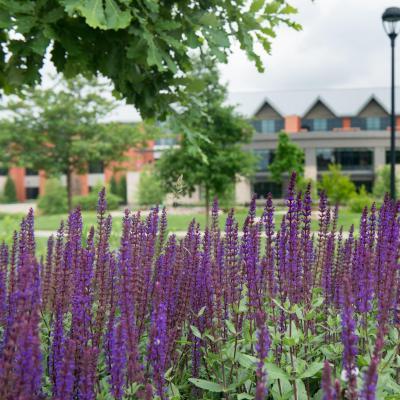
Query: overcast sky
x: 342, y: 44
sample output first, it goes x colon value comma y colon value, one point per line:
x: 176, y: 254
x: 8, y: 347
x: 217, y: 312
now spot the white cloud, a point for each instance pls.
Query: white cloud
x: 342, y: 44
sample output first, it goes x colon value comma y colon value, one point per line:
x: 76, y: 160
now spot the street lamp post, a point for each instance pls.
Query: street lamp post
x: 390, y: 20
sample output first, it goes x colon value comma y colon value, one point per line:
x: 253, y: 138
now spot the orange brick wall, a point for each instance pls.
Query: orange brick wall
x: 17, y: 174
x: 292, y: 123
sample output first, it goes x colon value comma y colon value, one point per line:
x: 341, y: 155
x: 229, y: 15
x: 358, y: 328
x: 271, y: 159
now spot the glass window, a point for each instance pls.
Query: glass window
x: 373, y: 123
x: 3, y: 170
x: 167, y: 141
x: 324, y: 158
x: 261, y: 189
x: 265, y: 157
x: 320, y: 124
x: 32, y: 193
x: 349, y: 159
x: 96, y: 167
x: 397, y: 156
x: 268, y: 126
x: 31, y: 172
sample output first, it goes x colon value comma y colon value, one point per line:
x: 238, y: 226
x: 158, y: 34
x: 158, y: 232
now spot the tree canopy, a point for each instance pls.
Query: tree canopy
x: 289, y: 157
x: 222, y: 132
x: 143, y: 47
x: 60, y: 129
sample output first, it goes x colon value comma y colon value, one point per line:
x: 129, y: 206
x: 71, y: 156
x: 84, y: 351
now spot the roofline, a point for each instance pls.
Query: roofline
x: 271, y: 104
x: 324, y: 102
x: 372, y: 97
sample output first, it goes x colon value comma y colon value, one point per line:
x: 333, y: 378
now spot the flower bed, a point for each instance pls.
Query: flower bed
x: 279, y: 312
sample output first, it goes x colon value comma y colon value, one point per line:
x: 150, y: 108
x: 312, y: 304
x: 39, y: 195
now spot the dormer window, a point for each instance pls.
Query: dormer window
x: 268, y: 126
x: 373, y: 123
x: 320, y: 124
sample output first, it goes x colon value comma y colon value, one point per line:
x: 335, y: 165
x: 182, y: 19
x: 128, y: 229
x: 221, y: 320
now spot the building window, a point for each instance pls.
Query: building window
x: 320, y: 124
x: 167, y: 141
x: 264, y: 158
x: 397, y: 156
x: 373, y: 123
x: 262, y: 189
x: 31, y: 172
x: 96, y: 167
x: 31, y: 193
x: 268, y: 126
x: 349, y: 159
x: 3, y: 171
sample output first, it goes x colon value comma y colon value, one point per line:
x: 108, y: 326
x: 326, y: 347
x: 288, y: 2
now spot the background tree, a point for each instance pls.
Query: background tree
x: 143, y: 47
x: 338, y: 187
x: 382, y: 183
x: 222, y: 132
x: 59, y: 130
x: 150, y: 190
x: 10, y: 191
x: 289, y: 157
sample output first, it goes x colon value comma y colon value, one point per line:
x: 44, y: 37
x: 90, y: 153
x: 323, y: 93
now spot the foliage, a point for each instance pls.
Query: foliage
x: 58, y: 130
x: 9, y: 191
x: 144, y: 47
x: 150, y: 190
x: 338, y: 187
x: 223, y: 132
x: 308, y: 317
x: 119, y: 188
x: 360, y: 200
x: 54, y: 199
x: 382, y: 182
x: 288, y: 157
x: 89, y: 202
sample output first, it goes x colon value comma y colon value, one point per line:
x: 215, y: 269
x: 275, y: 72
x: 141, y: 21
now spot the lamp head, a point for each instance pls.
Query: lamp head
x: 391, y: 21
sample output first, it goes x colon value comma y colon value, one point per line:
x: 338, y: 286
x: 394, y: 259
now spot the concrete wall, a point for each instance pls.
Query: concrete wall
x: 132, y: 185
x: 242, y: 191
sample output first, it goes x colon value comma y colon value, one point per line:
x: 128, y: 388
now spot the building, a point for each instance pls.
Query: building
x: 347, y: 126
x: 343, y: 126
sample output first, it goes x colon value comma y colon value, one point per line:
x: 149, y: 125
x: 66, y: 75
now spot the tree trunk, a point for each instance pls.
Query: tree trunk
x: 207, y: 190
x: 69, y: 189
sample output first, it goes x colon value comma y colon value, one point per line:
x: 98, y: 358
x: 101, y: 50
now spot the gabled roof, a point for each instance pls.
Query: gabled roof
x: 342, y: 102
x: 269, y: 104
x: 318, y: 100
x: 373, y: 99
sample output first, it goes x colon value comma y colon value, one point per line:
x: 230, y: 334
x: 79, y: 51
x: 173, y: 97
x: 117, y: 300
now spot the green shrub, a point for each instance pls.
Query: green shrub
x: 89, y: 202
x: 150, y: 191
x: 119, y: 188
x: 338, y: 187
x: 10, y: 192
x: 122, y: 189
x: 54, y: 200
x: 113, y: 186
x: 382, y: 183
x: 360, y: 200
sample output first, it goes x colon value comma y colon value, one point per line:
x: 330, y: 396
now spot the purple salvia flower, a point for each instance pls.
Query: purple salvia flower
x: 157, y: 347
x: 262, y: 347
x: 3, y: 284
x: 327, y: 386
x: 47, y: 273
x: 117, y: 341
x: 65, y: 380
x: 349, y: 340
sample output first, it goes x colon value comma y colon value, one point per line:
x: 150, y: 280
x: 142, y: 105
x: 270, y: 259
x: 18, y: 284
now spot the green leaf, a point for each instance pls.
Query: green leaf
x: 247, y: 361
x: 301, y: 390
x: 256, y: 5
x: 274, y: 372
x: 244, y: 396
x: 103, y: 14
x: 312, y: 370
x: 209, y: 20
x: 230, y: 326
x: 207, y: 385
x: 195, y: 331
